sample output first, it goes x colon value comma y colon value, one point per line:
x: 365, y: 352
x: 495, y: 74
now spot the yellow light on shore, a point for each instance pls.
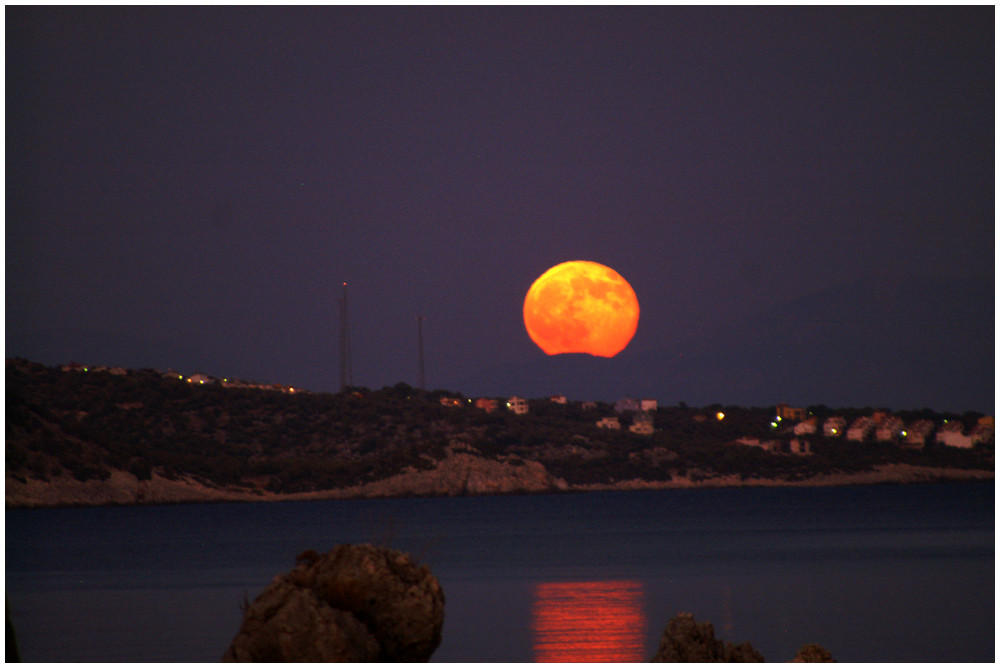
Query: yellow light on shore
x: 720, y: 415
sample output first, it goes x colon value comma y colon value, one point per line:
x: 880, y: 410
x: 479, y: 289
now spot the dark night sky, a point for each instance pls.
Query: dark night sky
x: 801, y: 198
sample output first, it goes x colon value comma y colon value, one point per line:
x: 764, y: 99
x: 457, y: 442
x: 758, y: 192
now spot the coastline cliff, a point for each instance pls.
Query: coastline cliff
x: 459, y: 475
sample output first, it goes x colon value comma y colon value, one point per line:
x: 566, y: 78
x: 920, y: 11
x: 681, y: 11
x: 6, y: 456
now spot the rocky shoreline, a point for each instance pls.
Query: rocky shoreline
x: 459, y: 474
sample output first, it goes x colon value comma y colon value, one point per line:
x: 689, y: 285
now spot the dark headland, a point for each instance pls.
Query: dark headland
x: 110, y: 436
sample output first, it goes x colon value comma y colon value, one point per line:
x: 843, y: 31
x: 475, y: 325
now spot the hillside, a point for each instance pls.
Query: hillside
x: 141, y: 436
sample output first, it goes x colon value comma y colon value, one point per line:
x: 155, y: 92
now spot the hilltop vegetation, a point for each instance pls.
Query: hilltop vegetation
x: 87, y: 425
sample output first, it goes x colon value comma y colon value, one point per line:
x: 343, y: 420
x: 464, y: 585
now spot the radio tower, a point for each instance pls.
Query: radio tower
x: 346, y: 376
x: 421, y: 382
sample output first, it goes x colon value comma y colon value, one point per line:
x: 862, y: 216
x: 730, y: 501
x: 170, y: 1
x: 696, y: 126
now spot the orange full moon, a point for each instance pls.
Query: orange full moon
x: 581, y: 307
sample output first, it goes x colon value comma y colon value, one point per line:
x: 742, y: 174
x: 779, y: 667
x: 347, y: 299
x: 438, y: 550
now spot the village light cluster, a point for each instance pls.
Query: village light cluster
x: 881, y: 426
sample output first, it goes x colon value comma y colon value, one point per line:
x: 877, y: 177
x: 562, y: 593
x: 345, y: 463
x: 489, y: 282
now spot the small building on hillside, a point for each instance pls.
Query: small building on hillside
x: 642, y: 423
x: 891, y: 429
x: 860, y: 429
x: 609, y: 423
x: 451, y: 401
x: 915, y: 436
x: 518, y: 405
x: 806, y: 427
x: 647, y: 405
x: 786, y: 412
x: 799, y: 446
x: 983, y: 431
x: 834, y: 426
x: 558, y: 399
x: 488, y: 405
x: 950, y: 434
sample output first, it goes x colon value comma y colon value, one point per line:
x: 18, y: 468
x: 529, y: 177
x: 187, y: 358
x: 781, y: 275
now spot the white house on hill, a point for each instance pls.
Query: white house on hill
x: 609, y: 423
x: 642, y: 423
x: 805, y: 427
x: 860, y: 429
x: 834, y: 426
x: 518, y: 405
x: 890, y: 429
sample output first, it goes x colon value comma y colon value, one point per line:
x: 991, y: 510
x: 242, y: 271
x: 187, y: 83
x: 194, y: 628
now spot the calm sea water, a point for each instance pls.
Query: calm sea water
x: 873, y: 573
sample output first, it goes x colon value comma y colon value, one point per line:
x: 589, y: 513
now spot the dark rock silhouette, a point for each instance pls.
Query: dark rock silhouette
x: 12, y: 655
x: 686, y: 641
x: 355, y: 603
x: 813, y: 653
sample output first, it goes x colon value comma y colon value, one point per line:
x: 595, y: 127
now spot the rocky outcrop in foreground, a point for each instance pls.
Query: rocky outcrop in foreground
x: 813, y: 653
x: 687, y: 641
x: 355, y: 603
x: 360, y: 603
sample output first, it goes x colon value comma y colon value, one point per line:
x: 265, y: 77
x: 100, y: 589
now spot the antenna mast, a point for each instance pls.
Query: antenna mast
x: 346, y: 376
x: 422, y: 384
